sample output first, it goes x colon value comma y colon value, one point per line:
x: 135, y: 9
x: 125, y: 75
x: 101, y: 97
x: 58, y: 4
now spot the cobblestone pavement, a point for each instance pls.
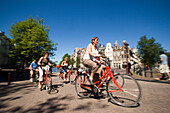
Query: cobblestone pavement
x: 23, y: 96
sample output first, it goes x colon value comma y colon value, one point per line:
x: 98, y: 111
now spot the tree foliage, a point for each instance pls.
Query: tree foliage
x: 78, y: 62
x: 148, y: 50
x: 30, y: 40
x: 6, y: 39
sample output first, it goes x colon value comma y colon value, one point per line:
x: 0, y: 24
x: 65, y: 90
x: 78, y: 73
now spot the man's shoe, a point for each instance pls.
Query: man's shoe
x: 165, y: 78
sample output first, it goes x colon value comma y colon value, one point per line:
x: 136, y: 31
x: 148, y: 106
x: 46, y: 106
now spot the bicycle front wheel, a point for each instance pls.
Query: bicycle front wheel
x: 49, y: 84
x: 83, y: 86
x: 72, y: 77
x: 60, y: 76
x: 124, y: 90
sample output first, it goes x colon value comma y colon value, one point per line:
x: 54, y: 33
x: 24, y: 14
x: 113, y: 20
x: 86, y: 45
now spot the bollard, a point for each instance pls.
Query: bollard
x: 151, y: 73
x: 9, y: 78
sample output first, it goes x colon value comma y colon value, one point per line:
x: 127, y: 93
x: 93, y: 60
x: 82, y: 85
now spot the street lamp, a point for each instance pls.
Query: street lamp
x: 126, y: 47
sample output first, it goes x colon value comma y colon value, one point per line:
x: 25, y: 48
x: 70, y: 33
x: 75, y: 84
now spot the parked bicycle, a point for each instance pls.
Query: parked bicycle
x: 122, y: 89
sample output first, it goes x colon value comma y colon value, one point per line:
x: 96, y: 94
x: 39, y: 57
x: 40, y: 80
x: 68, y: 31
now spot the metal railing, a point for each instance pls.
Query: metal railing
x: 150, y: 72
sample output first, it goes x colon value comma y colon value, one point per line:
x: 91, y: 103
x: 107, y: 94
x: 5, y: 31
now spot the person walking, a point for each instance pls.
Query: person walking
x: 163, y: 67
x: 129, y: 67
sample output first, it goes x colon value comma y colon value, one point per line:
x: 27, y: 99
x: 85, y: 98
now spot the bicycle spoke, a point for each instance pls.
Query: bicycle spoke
x: 130, y: 91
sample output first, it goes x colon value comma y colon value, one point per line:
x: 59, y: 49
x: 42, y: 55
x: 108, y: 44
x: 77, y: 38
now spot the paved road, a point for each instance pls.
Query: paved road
x: 22, y: 96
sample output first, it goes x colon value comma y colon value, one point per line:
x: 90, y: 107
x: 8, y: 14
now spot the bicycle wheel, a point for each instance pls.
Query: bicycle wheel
x: 36, y: 77
x: 120, y: 80
x: 72, y: 77
x: 60, y: 77
x: 130, y: 93
x: 83, y: 86
x: 49, y: 84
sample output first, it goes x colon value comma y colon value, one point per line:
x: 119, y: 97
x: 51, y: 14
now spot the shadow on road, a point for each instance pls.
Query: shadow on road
x: 156, y: 81
x: 111, y: 101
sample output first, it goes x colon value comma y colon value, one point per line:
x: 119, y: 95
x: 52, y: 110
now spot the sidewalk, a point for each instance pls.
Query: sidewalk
x: 137, y: 77
x: 142, y: 78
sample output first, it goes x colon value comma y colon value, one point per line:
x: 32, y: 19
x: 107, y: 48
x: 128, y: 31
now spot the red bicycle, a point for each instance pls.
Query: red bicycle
x: 122, y: 89
x: 47, y: 81
x: 69, y: 75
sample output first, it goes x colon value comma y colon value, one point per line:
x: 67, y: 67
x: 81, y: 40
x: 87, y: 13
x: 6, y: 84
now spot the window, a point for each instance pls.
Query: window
x: 118, y: 53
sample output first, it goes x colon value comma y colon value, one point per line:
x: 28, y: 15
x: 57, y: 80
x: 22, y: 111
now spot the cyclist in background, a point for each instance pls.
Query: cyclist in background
x: 64, y: 66
x: 43, y: 61
x: 90, y: 58
x: 33, y: 66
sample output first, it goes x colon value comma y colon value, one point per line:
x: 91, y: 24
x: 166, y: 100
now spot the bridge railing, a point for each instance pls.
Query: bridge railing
x: 151, y: 72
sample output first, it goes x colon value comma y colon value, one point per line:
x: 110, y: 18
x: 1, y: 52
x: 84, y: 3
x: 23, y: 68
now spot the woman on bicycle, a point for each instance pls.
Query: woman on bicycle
x: 64, y: 66
x: 90, y: 58
x: 43, y: 61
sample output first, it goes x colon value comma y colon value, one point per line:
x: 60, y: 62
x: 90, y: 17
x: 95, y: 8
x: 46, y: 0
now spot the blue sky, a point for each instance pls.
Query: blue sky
x: 74, y: 22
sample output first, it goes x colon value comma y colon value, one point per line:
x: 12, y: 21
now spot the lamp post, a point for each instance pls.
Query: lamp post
x: 126, y: 46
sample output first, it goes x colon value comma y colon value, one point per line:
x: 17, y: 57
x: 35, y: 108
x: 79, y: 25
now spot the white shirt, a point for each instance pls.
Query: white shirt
x: 94, y: 51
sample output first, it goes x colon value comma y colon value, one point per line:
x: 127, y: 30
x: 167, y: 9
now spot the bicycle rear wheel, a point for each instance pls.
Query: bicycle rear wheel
x: 36, y: 77
x: 49, y: 84
x: 130, y: 93
x: 83, y: 86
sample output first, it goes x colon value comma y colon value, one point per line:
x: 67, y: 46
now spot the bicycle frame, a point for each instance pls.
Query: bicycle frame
x: 68, y: 73
x: 106, y: 74
x: 46, y: 75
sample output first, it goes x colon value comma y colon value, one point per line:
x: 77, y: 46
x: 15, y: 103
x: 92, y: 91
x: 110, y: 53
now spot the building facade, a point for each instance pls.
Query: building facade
x: 78, y: 54
x: 118, y: 55
x: 4, y: 49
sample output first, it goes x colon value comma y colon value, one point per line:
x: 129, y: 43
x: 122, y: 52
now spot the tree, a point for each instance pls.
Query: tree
x: 148, y: 50
x: 78, y: 62
x: 63, y: 58
x: 6, y: 39
x: 30, y: 40
x: 72, y: 61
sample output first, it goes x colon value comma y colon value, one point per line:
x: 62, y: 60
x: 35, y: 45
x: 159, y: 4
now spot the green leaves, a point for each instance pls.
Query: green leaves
x: 148, y: 50
x: 30, y: 40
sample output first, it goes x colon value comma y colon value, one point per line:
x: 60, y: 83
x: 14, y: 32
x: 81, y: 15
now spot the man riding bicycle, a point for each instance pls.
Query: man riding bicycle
x: 43, y: 61
x: 33, y: 66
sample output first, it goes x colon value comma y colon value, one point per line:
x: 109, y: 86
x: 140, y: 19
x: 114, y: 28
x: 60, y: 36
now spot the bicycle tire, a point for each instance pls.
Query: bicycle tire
x: 60, y: 77
x: 36, y: 79
x: 72, y: 77
x: 49, y: 84
x: 82, y: 80
x: 130, y: 94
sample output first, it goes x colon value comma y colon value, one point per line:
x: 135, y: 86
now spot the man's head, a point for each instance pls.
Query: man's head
x: 161, y: 52
x: 34, y: 61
